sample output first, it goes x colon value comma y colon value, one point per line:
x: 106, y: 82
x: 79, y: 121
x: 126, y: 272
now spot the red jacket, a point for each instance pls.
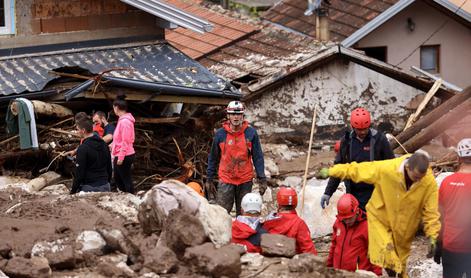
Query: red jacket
x: 455, y: 210
x: 349, y: 247
x: 288, y: 223
x: 240, y: 235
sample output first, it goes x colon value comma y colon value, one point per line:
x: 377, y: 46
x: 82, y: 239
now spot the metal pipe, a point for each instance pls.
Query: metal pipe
x: 78, y: 89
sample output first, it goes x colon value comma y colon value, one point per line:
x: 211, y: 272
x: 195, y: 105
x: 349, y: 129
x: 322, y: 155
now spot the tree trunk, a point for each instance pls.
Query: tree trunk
x: 432, y: 116
x: 45, y: 108
x: 436, y: 128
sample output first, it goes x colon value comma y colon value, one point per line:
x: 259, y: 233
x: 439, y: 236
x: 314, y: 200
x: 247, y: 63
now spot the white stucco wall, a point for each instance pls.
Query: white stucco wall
x: 336, y: 88
x: 454, y: 39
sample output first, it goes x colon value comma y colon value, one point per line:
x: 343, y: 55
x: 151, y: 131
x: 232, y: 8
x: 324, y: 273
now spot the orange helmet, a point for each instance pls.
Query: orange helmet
x: 347, y: 207
x: 337, y: 146
x: 360, y: 118
x: 196, y: 187
x: 287, y: 196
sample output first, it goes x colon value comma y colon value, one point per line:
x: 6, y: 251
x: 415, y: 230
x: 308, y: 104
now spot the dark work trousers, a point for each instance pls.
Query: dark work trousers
x: 95, y: 188
x: 227, y: 193
x: 455, y: 265
x: 122, y: 174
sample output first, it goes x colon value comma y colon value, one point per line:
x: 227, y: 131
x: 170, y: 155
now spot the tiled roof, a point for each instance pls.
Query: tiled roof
x: 346, y: 16
x: 268, y: 52
x: 225, y: 31
x: 152, y: 62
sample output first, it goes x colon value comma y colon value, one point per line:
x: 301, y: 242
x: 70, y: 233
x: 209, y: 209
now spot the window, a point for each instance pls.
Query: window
x: 379, y: 53
x: 430, y: 58
x: 6, y: 17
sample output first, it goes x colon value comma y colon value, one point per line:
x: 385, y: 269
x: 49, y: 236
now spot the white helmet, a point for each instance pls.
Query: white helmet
x: 235, y: 107
x: 464, y: 148
x: 252, y: 202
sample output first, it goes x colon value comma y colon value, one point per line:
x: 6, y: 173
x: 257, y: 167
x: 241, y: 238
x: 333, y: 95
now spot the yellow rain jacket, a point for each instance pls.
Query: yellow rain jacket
x: 394, y: 213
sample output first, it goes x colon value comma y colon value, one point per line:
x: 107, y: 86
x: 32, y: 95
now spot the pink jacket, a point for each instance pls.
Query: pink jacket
x: 123, y: 137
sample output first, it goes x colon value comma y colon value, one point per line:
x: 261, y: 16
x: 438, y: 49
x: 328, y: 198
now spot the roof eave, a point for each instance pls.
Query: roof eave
x: 171, y: 14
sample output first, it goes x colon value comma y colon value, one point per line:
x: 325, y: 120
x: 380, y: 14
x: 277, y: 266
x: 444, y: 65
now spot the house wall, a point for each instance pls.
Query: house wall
x: 60, y: 21
x: 337, y: 88
x: 454, y: 40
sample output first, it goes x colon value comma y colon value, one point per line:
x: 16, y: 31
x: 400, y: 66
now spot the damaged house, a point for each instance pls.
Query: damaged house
x: 79, y: 55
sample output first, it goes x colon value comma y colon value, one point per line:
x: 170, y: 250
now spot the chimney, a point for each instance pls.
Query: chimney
x: 322, y: 24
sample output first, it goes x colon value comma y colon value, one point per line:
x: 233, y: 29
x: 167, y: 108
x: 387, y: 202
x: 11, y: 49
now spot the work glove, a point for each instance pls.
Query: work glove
x: 324, y: 173
x: 432, y: 247
x: 210, y: 189
x: 262, y: 186
x: 325, y: 200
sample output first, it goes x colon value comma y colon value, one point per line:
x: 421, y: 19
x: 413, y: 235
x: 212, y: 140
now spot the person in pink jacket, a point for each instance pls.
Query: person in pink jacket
x: 122, y: 148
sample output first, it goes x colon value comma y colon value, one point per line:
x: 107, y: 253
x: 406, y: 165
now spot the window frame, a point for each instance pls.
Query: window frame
x: 437, y: 56
x: 9, y: 18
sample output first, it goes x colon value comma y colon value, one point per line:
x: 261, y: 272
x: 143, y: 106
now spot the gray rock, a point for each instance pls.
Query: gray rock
x: 35, y: 267
x: 278, y: 245
x: 161, y: 260
x: 207, y: 260
x: 117, y: 241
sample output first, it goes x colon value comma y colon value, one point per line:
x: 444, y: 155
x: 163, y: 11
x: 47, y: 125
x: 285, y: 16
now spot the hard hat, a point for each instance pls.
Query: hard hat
x: 235, y: 107
x: 252, y: 202
x: 360, y: 118
x: 337, y: 146
x: 347, y: 206
x: 287, y: 196
x: 464, y: 148
x: 196, y: 187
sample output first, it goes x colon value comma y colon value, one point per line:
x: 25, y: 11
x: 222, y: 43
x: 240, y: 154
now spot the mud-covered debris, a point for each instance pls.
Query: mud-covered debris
x: 109, y: 269
x: 278, y: 245
x: 91, y: 242
x: 43, y: 180
x: 55, y: 189
x: 125, y: 205
x: 59, y: 253
x: 117, y: 241
x: 161, y: 260
x: 305, y: 263
x: 5, y: 250
x: 207, y: 260
x: 252, y: 259
x: 35, y: 267
x: 183, y: 230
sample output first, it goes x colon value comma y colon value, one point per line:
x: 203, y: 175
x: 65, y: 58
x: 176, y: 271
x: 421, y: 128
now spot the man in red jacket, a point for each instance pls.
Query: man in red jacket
x: 247, y: 228
x: 454, y: 245
x: 349, y: 247
x: 287, y: 222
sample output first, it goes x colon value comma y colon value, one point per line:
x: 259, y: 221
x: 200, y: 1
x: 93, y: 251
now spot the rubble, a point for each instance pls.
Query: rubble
x: 161, y: 260
x: 5, y: 250
x: 305, y: 263
x: 91, y: 242
x: 216, y: 262
x: 28, y: 268
x: 278, y: 245
x: 117, y: 241
x: 59, y: 253
x: 252, y: 259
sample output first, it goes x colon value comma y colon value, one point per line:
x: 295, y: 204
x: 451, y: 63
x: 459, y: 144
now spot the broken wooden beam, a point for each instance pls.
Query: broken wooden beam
x: 413, y: 118
x: 44, y: 108
x: 169, y: 120
x: 436, y: 128
x: 432, y: 116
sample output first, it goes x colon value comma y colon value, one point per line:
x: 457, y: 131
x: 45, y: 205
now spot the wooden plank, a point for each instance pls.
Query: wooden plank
x: 424, y: 103
x: 169, y: 120
x: 140, y: 96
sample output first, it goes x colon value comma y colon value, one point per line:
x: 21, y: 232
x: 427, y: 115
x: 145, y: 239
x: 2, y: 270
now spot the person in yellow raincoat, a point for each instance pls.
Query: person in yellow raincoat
x: 405, y: 193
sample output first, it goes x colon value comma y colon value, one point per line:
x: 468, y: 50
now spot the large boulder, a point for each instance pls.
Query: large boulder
x: 208, y: 260
x: 171, y: 194
x: 278, y: 245
x: 35, y: 267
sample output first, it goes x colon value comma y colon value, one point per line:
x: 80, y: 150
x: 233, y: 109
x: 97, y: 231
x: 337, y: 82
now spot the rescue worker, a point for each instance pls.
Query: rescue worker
x: 93, y: 163
x: 455, y: 209
x: 405, y: 193
x: 349, y: 248
x: 363, y: 143
x: 247, y: 228
x: 100, y: 121
x: 236, y: 148
x: 287, y: 222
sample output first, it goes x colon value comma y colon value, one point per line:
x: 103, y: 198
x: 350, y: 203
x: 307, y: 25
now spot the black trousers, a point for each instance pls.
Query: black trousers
x: 228, y: 193
x: 122, y: 174
x: 455, y: 265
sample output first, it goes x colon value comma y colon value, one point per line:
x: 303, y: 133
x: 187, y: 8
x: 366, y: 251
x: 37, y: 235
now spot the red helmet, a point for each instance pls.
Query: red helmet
x: 337, y: 146
x: 287, y: 196
x: 347, y: 207
x: 360, y: 118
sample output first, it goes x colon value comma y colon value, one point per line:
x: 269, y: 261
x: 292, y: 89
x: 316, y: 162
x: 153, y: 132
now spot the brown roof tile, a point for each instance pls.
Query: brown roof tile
x: 346, y: 16
x: 225, y: 31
